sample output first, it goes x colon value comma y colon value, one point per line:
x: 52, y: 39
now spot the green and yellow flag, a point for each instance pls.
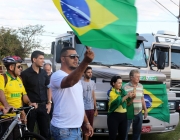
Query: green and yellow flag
x: 102, y: 23
x: 157, y: 101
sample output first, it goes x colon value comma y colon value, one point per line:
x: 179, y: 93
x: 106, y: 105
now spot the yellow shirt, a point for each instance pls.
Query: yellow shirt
x: 112, y: 96
x: 120, y: 109
x: 14, y: 90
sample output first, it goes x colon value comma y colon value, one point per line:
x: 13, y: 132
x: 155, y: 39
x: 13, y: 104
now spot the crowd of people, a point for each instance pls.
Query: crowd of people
x: 67, y: 100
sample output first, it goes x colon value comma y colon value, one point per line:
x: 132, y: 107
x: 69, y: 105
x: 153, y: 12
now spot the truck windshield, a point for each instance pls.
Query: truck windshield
x: 175, y: 54
x: 111, y: 57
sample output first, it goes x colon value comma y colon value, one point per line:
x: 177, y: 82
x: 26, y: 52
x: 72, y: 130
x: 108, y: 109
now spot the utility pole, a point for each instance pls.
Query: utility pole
x: 179, y: 21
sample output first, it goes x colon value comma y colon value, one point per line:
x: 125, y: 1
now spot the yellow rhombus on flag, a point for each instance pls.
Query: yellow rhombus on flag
x: 155, y: 96
x: 155, y: 101
x: 98, y: 20
x: 105, y: 24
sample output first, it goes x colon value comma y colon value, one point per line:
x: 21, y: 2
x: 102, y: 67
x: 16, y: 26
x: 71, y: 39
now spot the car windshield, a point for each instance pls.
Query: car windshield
x: 111, y: 57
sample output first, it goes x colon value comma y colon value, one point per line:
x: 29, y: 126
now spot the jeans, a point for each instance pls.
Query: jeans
x: 137, y: 126
x: 65, y: 133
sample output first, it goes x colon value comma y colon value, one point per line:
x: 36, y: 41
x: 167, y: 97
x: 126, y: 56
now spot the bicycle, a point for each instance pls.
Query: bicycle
x: 24, y: 133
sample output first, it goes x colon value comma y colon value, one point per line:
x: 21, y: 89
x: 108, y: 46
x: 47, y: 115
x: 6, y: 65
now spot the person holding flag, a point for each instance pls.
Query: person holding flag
x: 135, y: 105
x: 117, y: 113
x: 67, y: 95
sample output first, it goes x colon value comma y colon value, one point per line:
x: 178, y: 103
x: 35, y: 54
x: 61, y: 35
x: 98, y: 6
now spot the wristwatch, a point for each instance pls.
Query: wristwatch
x: 49, y: 102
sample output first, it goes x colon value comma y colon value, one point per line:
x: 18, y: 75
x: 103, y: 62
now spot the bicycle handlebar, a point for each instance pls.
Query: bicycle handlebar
x: 23, y: 108
x: 17, y: 110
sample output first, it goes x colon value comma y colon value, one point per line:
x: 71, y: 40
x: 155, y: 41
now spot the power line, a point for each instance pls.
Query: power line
x: 174, y: 3
x: 160, y: 7
x: 177, y: 17
x: 149, y: 12
x: 166, y: 9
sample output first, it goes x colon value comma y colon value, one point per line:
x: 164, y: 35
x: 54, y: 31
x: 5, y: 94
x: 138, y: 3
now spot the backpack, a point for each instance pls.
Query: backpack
x: 6, y: 79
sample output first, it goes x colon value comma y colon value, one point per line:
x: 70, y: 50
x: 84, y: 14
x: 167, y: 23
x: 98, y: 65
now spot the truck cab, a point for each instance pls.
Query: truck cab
x: 109, y: 62
x: 168, y: 43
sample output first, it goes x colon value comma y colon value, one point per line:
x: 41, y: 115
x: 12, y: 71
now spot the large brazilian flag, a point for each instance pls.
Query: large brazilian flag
x: 157, y: 101
x: 102, y: 23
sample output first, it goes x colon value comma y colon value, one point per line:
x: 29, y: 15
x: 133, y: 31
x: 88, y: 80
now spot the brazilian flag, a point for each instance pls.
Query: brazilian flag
x: 102, y: 24
x: 157, y: 101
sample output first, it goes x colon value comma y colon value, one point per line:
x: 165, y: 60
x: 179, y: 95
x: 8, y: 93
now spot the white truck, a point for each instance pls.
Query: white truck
x: 169, y: 43
x: 109, y: 62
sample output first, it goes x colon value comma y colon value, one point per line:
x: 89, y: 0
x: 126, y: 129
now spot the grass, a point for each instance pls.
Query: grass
x: 173, y: 135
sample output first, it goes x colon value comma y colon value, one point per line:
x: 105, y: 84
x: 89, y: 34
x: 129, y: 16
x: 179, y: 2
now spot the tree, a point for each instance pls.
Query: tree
x: 28, y: 37
x: 19, y: 42
x: 9, y: 42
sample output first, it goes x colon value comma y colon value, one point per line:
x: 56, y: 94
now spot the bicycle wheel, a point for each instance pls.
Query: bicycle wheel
x: 31, y: 136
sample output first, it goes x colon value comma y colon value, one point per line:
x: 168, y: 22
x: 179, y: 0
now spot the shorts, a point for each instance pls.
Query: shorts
x: 90, y: 116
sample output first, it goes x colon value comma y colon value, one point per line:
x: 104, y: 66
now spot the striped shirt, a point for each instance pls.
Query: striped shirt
x: 137, y: 102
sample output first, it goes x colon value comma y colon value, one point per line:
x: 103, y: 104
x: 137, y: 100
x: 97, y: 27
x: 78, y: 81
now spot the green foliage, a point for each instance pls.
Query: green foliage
x: 19, y: 42
x: 28, y: 37
x: 47, y: 56
x: 9, y: 42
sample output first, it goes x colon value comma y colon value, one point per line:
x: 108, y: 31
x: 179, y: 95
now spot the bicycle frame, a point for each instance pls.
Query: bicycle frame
x: 16, y: 120
x: 11, y: 127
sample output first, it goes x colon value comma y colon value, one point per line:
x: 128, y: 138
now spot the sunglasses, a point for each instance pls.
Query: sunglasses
x: 73, y: 56
x: 19, y: 67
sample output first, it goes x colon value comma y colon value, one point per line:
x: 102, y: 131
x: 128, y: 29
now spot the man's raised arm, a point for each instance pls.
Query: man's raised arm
x: 74, y: 76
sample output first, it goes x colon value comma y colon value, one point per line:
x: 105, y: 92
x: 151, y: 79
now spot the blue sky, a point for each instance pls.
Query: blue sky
x: 19, y: 13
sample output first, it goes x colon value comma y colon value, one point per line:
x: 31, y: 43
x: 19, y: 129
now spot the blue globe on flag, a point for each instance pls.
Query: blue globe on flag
x: 148, y: 100
x: 76, y: 12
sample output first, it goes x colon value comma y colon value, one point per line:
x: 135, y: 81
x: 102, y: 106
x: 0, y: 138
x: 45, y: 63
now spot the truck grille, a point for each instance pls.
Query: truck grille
x: 175, y: 83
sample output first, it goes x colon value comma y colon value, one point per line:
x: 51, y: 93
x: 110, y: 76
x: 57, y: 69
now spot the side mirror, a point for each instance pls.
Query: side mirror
x: 161, y: 60
x: 52, y: 47
x: 58, y: 50
x: 138, y: 43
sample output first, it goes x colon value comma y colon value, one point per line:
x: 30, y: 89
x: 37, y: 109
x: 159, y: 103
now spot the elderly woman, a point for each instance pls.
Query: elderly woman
x: 117, y: 116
